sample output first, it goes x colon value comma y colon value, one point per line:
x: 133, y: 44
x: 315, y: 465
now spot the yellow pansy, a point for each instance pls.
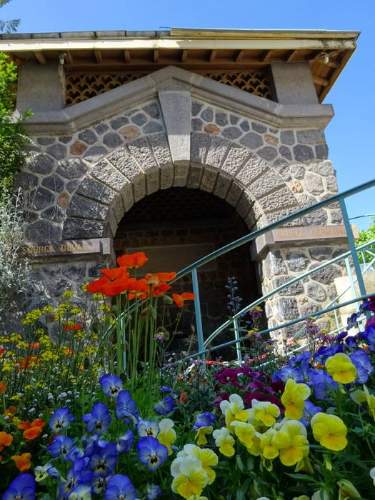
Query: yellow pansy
x: 189, y: 477
x: 292, y: 442
x: 201, y: 435
x: 330, y: 431
x: 234, y: 409
x: 341, y: 368
x: 207, y: 458
x: 167, y: 435
x: 263, y: 412
x: 268, y: 449
x: 247, y: 435
x: 224, y: 441
x: 293, y: 398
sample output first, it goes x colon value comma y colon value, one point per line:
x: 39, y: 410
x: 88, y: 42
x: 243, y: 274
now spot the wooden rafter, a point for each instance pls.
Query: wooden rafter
x: 292, y: 56
x: 184, y: 55
x: 267, y: 56
x: 98, y: 56
x: 321, y: 81
x: 68, y: 57
x: 40, y: 57
x: 212, y: 55
x: 239, y: 55
x: 126, y: 56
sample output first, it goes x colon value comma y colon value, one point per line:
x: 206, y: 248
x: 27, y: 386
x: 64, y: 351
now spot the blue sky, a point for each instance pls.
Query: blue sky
x: 351, y: 133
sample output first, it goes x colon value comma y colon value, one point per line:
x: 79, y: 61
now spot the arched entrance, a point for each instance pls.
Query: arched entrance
x: 177, y: 226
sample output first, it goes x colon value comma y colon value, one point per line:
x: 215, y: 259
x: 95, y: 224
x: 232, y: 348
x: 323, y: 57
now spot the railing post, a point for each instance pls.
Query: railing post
x: 351, y: 242
x: 197, y: 308
x: 237, y: 337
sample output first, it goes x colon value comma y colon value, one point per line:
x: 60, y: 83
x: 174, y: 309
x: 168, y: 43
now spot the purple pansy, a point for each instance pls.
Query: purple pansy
x: 153, y: 491
x: 103, y: 459
x: 309, y: 411
x: 61, y: 446
x: 151, y: 453
x: 205, y: 419
x: 120, y: 487
x: 126, y: 407
x: 362, y: 362
x: 125, y: 442
x: 23, y: 486
x: 321, y: 383
x: 166, y: 406
x: 98, y: 420
x: 60, y: 420
x: 111, y: 385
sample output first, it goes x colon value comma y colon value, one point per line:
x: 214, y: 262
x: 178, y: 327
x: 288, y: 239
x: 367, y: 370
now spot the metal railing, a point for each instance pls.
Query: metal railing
x: 233, y: 321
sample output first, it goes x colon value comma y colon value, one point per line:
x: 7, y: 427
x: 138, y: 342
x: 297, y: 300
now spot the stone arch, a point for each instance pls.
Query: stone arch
x: 143, y: 166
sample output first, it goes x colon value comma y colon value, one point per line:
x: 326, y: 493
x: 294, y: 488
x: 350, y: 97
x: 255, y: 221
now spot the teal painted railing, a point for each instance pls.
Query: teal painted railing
x: 233, y: 322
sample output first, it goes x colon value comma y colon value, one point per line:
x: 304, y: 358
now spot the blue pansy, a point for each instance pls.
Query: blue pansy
x: 99, y: 484
x: 125, y: 442
x: 321, y: 382
x: 43, y: 471
x: 151, y: 453
x: 205, y: 419
x: 61, y: 447
x: 301, y: 359
x: 60, y: 419
x: 111, y: 385
x: 325, y: 352
x: 351, y: 341
x: 341, y: 336
x: 77, y: 475
x: 81, y: 492
x: 309, y: 411
x: 166, y: 389
x: 362, y: 362
x: 153, y: 491
x: 126, y: 407
x: 98, y: 420
x: 287, y: 372
x: 120, y: 487
x: 166, y: 406
x: 23, y: 486
x: 103, y: 460
x: 369, y: 336
x: 147, y: 428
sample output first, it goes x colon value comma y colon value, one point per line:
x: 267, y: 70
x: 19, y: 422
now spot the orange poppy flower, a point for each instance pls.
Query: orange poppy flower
x: 32, y: 433
x: 10, y: 411
x: 24, y: 425
x: 132, y: 260
x: 2, y: 350
x: 27, y: 362
x: 34, y: 346
x: 154, y: 279
x: 183, y: 398
x: 23, y: 461
x: 5, y: 440
x: 114, y: 273
x: 38, y: 422
x: 160, y: 289
x: 73, y: 327
x: 180, y: 298
x: 3, y: 387
x: 96, y: 286
x: 113, y: 288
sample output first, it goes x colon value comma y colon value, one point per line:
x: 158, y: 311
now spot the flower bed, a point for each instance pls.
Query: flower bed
x: 93, y: 411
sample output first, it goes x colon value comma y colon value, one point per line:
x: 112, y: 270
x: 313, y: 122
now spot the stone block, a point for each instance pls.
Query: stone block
x: 112, y: 140
x: 40, y: 164
x: 83, y: 228
x: 141, y: 152
x: 195, y: 175
x: 199, y: 147
x: 311, y: 136
x: 42, y: 231
x: 122, y: 160
x: 303, y: 153
x: 41, y: 199
x: 72, y: 168
x: 296, y: 260
x: 313, y: 183
x: 236, y: 157
x: 316, y: 292
x: 234, y: 194
x: 293, y: 83
x: 253, y: 169
x: 108, y: 174
x: 153, y: 180
x: 96, y: 190
x: 54, y: 183
x: 88, y: 136
x: 252, y: 140
x: 287, y: 137
x: 222, y: 186
x: 216, y: 152
x: 278, y: 200
x: 58, y: 151
x: 208, y: 180
x: 268, y: 153
x: 86, y: 208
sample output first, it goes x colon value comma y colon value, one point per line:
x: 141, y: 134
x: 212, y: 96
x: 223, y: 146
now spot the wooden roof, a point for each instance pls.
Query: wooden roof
x: 193, y: 49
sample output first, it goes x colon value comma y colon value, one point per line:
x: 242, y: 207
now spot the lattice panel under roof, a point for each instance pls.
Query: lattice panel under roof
x: 80, y: 86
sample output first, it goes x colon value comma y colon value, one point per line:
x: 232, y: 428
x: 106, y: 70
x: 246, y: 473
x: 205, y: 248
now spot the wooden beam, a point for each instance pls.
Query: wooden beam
x: 40, y: 57
x: 184, y: 55
x: 212, y: 55
x: 321, y: 81
x: 68, y: 57
x: 268, y: 55
x: 239, y: 55
x: 98, y: 56
x: 156, y: 55
x: 126, y: 56
x: 292, y: 56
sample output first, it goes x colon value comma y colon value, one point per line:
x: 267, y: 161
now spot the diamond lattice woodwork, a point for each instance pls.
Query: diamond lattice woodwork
x: 80, y: 86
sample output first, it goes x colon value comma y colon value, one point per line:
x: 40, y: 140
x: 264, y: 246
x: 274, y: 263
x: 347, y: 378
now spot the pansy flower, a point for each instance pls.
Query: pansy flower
x: 111, y: 385
x: 362, y: 362
x: 81, y: 492
x: 321, y: 383
x: 61, y: 447
x: 153, y: 491
x: 125, y: 442
x: 77, y: 475
x: 120, y: 487
x: 44, y: 471
x: 151, y: 453
x: 103, y: 460
x: 98, y: 420
x: 165, y: 406
x: 60, y: 419
x: 23, y: 486
x: 126, y: 407
x: 147, y: 428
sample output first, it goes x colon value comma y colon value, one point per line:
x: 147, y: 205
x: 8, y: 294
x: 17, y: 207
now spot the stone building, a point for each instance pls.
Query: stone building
x: 178, y: 142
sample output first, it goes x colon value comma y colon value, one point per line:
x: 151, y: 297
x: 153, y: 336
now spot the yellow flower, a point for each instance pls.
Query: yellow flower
x: 330, y: 431
x: 167, y: 435
x: 292, y: 442
x: 293, y: 398
x: 189, y: 478
x: 201, y: 435
x: 268, y: 449
x: 247, y: 435
x: 264, y: 412
x: 370, y: 398
x: 224, y: 441
x: 207, y: 458
x: 341, y: 368
x: 234, y: 410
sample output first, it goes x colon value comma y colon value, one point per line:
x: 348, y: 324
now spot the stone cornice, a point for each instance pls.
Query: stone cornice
x: 84, y: 114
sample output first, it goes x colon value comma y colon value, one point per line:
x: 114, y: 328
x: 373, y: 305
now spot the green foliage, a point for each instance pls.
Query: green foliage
x: 12, y: 136
x: 366, y: 236
x: 8, y: 26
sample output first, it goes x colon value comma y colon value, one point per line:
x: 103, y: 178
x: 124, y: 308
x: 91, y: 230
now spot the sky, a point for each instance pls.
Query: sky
x: 350, y: 135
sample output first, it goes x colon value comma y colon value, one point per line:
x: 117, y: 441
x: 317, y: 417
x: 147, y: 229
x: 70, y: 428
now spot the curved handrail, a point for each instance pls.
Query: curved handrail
x: 258, y: 301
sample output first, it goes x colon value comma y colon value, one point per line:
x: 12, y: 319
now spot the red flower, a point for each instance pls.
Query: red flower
x: 133, y: 260
x: 115, y: 273
x: 72, y: 327
x: 179, y: 299
x: 96, y: 286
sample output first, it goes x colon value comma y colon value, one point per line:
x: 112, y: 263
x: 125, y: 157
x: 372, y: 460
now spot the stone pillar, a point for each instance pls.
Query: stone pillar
x: 293, y: 83
x: 40, y: 87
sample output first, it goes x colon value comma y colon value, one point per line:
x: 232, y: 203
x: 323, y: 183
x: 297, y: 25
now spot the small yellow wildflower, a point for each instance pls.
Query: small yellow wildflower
x: 293, y: 399
x: 341, y: 368
x: 224, y: 441
x: 330, y: 431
